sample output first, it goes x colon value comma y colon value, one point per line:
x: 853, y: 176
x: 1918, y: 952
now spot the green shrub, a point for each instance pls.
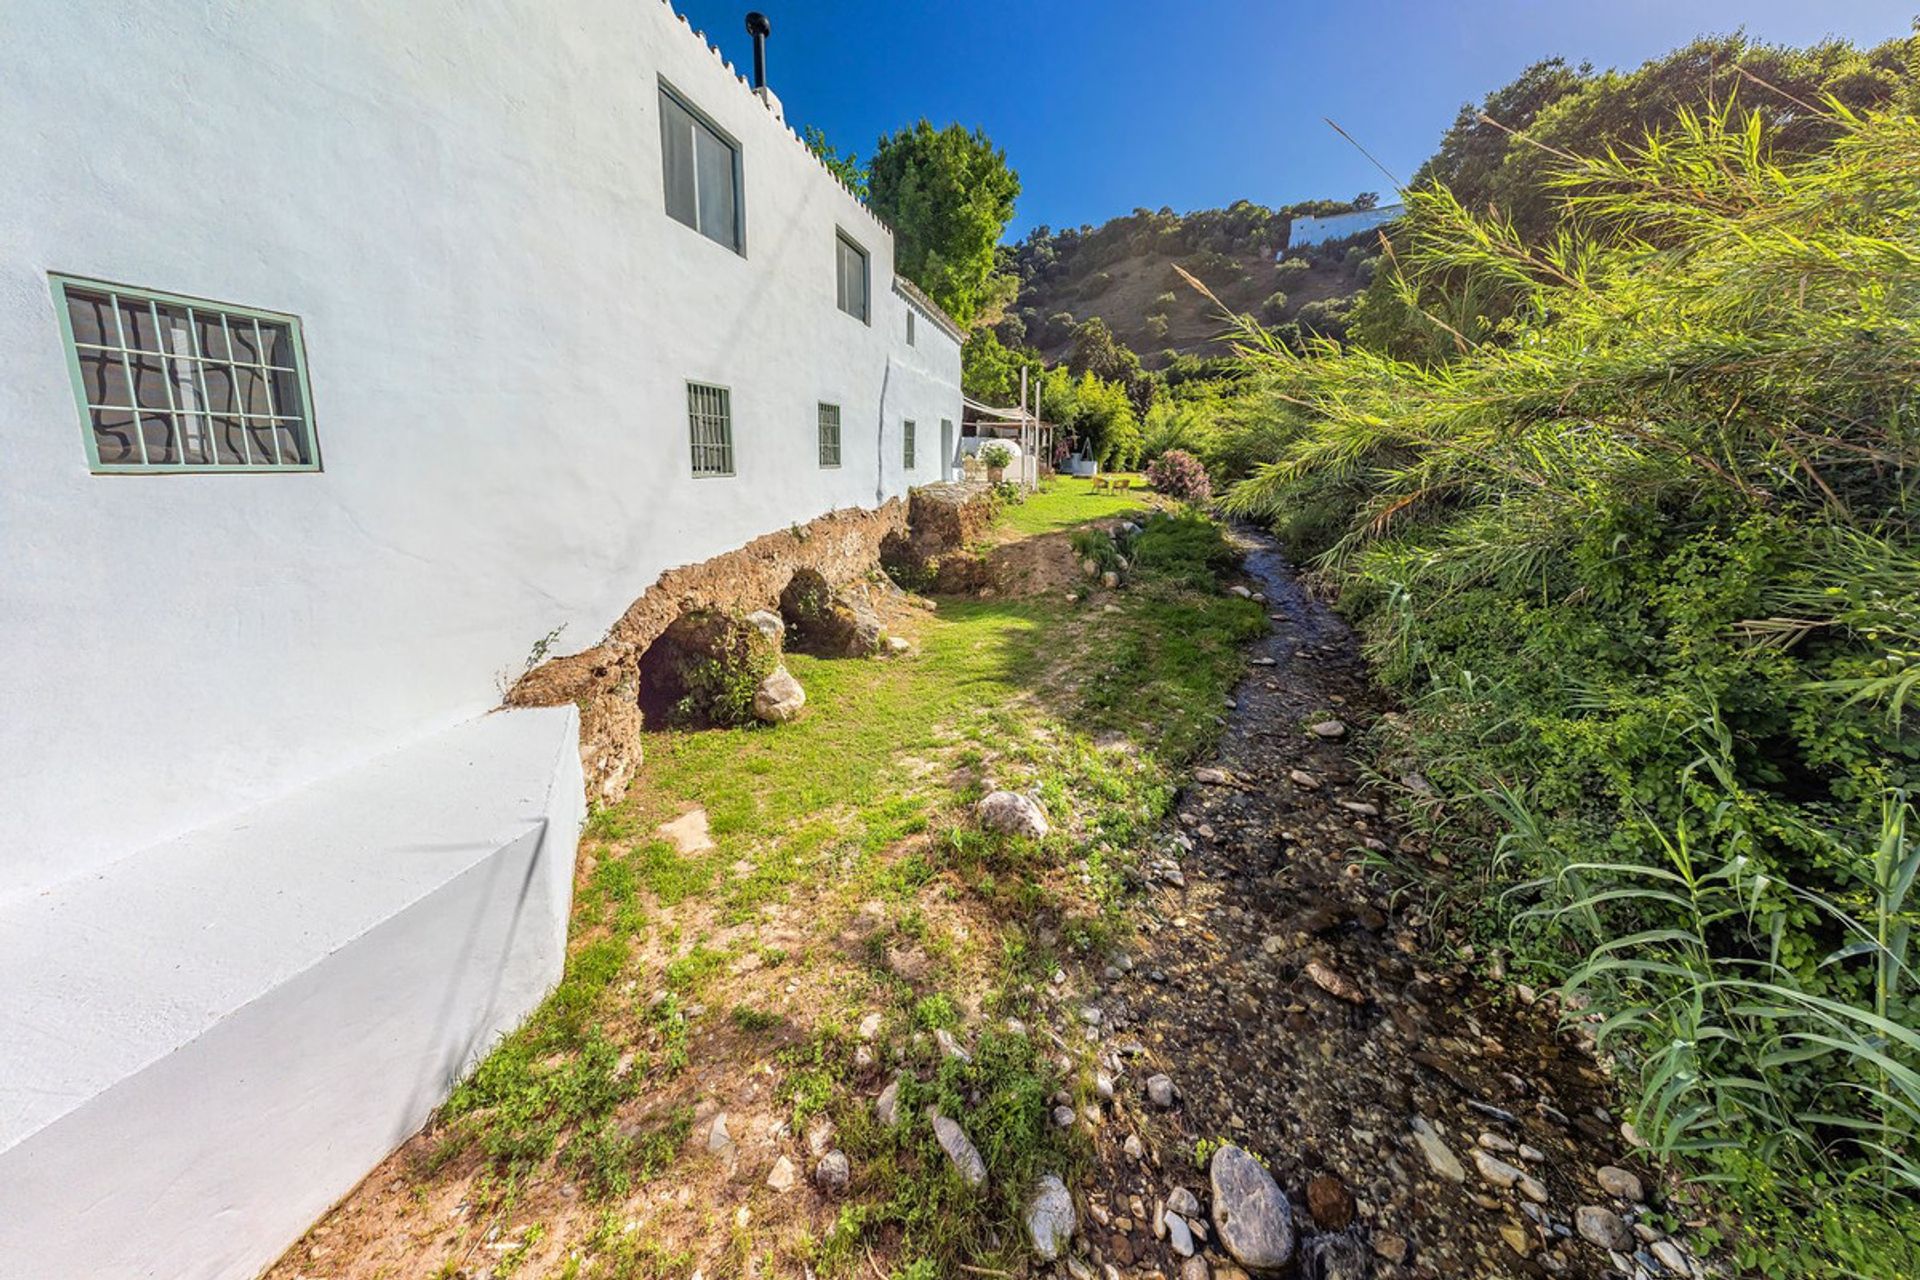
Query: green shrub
x: 1643, y: 564
x: 996, y: 456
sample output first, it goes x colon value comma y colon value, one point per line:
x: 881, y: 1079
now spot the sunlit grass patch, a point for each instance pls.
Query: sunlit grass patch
x: 1067, y: 501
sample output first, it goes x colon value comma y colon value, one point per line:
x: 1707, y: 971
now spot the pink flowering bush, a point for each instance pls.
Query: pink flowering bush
x: 1179, y: 474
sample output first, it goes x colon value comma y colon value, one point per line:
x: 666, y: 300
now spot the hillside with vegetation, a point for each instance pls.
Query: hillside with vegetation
x: 1127, y: 273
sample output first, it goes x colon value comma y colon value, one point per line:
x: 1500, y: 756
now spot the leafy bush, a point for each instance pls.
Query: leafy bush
x: 1275, y: 306
x: 1179, y: 474
x: 1643, y: 561
x: 1291, y: 269
x: 996, y: 456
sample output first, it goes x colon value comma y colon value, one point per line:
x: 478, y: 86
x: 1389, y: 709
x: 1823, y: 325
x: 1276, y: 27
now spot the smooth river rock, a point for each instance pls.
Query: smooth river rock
x: 1251, y: 1215
x: 1050, y: 1218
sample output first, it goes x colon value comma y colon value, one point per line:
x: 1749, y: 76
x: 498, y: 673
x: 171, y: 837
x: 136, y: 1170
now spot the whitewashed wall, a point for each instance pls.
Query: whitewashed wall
x: 1306, y: 231
x: 463, y: 204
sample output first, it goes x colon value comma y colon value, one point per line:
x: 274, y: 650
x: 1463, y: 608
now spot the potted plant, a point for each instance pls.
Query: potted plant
x: 996, y: 456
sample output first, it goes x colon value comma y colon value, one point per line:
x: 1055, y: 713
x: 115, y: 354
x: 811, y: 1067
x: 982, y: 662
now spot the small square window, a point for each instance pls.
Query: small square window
x: 850, y: 271
x: 171, y: 384
x: 829, y: 435
x: 710, y: 424
x: 906, y: 446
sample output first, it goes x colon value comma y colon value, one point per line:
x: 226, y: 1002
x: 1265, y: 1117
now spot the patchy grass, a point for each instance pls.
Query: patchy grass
x: 846, y: 879
x: 1069, y: 501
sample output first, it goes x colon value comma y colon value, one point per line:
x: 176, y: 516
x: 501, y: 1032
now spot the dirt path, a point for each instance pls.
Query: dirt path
x: 1298, y: 1016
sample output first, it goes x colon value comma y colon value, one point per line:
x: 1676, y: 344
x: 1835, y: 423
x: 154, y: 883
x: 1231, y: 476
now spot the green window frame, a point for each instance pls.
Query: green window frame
x: 169, y: 384
x: 853, y: 278
x: 702, y: 172
x: 710, y: 428
x: 906, y: 445
x: 829, y: 418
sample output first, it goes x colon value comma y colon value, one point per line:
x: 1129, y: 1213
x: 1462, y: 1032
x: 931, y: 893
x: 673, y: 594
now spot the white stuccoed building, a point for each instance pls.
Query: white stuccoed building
x: 350, y: 349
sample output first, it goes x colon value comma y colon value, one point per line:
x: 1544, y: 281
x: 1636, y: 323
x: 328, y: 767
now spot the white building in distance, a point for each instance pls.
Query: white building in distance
x: 1338, y: 226
x: 351, y: 349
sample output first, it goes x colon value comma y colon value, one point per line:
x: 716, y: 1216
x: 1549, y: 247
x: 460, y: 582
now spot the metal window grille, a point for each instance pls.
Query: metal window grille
x: 829, y: 435
x: 710, y: 421
x: 169, y: 384
x: 906, y: 446
x: 850, y: 271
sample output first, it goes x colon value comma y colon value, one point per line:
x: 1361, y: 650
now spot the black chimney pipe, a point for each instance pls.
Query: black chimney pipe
x: 759, y: 28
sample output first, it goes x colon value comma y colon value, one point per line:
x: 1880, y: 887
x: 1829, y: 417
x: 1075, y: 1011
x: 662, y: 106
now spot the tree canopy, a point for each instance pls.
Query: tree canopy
x: 948, y: 194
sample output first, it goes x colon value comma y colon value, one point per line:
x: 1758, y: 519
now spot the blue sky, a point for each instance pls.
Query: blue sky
x: 1104, y: 107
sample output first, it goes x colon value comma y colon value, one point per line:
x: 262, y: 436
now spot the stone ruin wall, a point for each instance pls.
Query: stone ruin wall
x: 842, y: 546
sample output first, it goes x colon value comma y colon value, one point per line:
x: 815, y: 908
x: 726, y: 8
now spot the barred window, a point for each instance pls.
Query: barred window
x: 910, y: 326
x: 829, y: 435
x: 710, y: 421
x: 906, y: 446
x: 168, y: 384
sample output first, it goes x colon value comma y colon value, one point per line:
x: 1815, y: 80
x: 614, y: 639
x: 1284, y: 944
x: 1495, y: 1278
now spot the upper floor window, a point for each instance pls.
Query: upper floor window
x: 910, y: 317
x: 172, y: 384
x: 829, y: 435
x: 906, y: 446
x: 702, y: 173
x: 710, y: 426
x: 850, y: 262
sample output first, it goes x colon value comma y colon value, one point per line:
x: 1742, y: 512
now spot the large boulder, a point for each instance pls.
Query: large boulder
x: 826, y: 623
x: 1251, y: 1214
x: 779, y: 697
x: 705, y: 669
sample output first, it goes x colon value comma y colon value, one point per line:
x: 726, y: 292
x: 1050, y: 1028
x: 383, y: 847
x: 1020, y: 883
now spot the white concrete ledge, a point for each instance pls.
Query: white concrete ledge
x: 205, y: 1044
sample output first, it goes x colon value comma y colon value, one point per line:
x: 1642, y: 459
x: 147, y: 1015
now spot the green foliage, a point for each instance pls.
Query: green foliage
x: 1641, y: 556
x: 846, y: 167
x: 704, y: 669
x: 996, y: 456
x: 1103, y: 418
x: 1098, y: 352
x: 1098, y: 546
x: 1187, y: 548
x: 990, y: 370
x: 948, y: 194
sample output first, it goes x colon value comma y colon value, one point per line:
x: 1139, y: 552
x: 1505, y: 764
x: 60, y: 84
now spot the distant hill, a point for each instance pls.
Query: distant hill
x: 1124, y: 273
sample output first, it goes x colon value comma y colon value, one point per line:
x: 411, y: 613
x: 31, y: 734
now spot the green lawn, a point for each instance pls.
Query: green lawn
x: 1070, y: 501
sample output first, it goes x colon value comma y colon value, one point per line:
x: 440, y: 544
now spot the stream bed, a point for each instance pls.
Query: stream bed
x: 1422, y: 1122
